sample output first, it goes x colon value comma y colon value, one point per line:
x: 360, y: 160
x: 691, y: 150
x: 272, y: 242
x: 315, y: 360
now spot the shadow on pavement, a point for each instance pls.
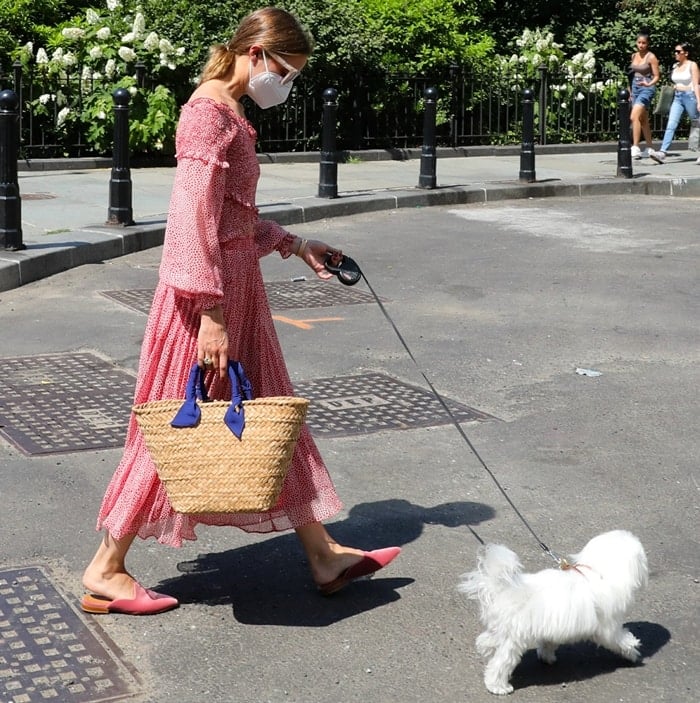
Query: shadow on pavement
x: 268, y: 583
x: 584, y: 660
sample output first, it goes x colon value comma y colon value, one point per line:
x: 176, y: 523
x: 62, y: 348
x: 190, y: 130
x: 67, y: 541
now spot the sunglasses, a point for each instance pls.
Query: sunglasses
x: 675, y: 51
x: 292, y: 72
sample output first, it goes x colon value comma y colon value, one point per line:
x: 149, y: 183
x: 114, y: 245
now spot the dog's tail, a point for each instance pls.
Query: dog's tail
x: 497, y: 567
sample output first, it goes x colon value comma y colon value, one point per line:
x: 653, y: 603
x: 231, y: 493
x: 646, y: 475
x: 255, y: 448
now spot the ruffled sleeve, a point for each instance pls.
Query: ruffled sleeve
x: 269, y: 237
x: 191, y: 262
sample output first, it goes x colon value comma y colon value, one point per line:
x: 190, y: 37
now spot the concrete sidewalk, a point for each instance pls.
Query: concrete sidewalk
x: 64, y: 211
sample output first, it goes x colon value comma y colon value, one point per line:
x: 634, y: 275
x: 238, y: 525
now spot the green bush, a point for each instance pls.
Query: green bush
x: 84, y: 60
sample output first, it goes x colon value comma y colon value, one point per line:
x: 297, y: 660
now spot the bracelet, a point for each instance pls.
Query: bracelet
x: 302, y: 247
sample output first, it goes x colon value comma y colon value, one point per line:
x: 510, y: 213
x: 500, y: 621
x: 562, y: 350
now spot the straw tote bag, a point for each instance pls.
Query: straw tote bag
x: 219, y: 456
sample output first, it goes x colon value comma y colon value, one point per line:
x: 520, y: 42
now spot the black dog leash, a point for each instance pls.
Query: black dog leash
x: 349, y: 273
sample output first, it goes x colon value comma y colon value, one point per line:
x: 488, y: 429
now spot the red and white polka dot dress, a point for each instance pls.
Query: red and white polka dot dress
x: 213, y: 241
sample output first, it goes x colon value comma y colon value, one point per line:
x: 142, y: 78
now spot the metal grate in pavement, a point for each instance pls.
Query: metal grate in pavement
x: 64, y: 403
x: 351, y: 405
x: 47, y: 653
x: 282, y: 295
x: 138, y: 299
x: 287, y: 295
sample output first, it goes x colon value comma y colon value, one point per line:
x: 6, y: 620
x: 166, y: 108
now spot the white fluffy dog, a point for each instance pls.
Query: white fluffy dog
x: 586, y: 600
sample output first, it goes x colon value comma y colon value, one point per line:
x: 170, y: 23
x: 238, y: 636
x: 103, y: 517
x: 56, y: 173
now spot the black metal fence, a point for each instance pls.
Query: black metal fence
x: 473, y: 108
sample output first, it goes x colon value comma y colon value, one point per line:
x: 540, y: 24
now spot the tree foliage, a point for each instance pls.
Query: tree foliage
x: 428, y: 35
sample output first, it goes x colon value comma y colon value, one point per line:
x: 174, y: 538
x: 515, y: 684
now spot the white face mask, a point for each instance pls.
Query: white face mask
x: 267, y: 89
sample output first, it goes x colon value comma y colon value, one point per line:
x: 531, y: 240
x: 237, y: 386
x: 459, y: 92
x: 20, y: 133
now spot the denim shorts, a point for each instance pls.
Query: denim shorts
x: 642, y: 95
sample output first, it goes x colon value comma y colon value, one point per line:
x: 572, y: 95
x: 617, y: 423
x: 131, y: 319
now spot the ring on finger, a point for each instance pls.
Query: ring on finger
x: 207, y: 361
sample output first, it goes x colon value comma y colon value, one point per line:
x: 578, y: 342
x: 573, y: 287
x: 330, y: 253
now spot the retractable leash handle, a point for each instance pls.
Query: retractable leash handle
x: 347, y: 270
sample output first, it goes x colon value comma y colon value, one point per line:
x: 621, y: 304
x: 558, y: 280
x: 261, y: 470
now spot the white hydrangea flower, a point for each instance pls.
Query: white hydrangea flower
x: 110, y: 68
x: 95, y: 52
x: 158, y: 145
x: 103, y: 33
x: 91, y: 17
x: 128, y: 37
x: 57, y: 55
x: 86, y: 74
x: 126, y: 53
x: 180, y: 51
x: 579, y: 96
x: 139, y: 26
x: 166, y: 47
x: 151, y: 42
x: 29, y: 48
x: 41, y: 56
x: 62, y: 115
x: 101, y: 115
x: 69, y: 59
x: 96, y: 76
x: 112, y: 5
x: 45, y: 98
x: 73, y: 32
x: 133, y: 90
x: 563, y: 106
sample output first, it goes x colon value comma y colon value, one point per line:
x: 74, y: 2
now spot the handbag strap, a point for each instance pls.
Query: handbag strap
x: 190, y: 413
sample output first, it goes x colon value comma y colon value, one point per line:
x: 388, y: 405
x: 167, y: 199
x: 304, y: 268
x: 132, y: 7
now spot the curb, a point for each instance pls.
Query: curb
x: 298, y: 157
x: 94, y: 244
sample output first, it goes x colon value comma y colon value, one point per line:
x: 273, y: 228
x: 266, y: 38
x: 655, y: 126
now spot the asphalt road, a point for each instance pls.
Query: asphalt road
x: 500, y: 304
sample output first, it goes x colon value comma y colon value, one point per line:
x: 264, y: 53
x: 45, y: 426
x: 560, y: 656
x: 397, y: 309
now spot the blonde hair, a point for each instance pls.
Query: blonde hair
x: 271, y: 27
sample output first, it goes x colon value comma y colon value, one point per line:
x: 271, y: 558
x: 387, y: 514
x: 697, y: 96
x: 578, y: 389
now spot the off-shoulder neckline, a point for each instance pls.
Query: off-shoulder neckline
x: 226, y: 107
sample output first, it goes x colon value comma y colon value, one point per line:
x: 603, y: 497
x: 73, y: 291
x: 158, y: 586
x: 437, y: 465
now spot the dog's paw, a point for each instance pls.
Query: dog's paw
x: 498, y: 688
x: 497, y: 685
x: 629, y: 648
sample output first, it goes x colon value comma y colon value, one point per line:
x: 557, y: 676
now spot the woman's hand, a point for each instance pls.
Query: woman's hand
x: 314, y: 253
x: 212, y: 341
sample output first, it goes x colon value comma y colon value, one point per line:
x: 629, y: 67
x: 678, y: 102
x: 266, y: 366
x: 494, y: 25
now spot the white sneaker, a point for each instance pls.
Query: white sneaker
x: 646, y: 153
x: 658, y: 156
x: 636, y: 152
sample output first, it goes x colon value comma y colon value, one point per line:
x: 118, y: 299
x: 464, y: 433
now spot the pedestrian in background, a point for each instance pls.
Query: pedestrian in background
x: 644, y: 75
x: 685, y: 77
x: 210, y: 306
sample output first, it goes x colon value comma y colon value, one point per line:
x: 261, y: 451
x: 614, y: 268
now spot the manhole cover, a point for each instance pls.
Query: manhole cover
x: 137, y: 299
x: 64, y: 403
x: 287, y: 295
x: 282, y: 295
x: 350, y: 405
x: 47, y: 653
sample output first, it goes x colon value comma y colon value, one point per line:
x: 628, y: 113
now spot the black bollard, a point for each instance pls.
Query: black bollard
x: 428, y: 156
x: 10, y: 200
x: 120, y: 210
x: 624, y: 144
x: 527, y: 149
x: 328, y: 174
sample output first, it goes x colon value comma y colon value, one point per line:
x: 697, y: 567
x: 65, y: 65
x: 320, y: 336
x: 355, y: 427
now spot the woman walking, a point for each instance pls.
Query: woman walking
x: 685, y: 77
x: 644, y: 75
x: 210, y: 306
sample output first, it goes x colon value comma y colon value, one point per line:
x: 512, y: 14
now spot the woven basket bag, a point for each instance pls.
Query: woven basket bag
x: 220, y: 456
